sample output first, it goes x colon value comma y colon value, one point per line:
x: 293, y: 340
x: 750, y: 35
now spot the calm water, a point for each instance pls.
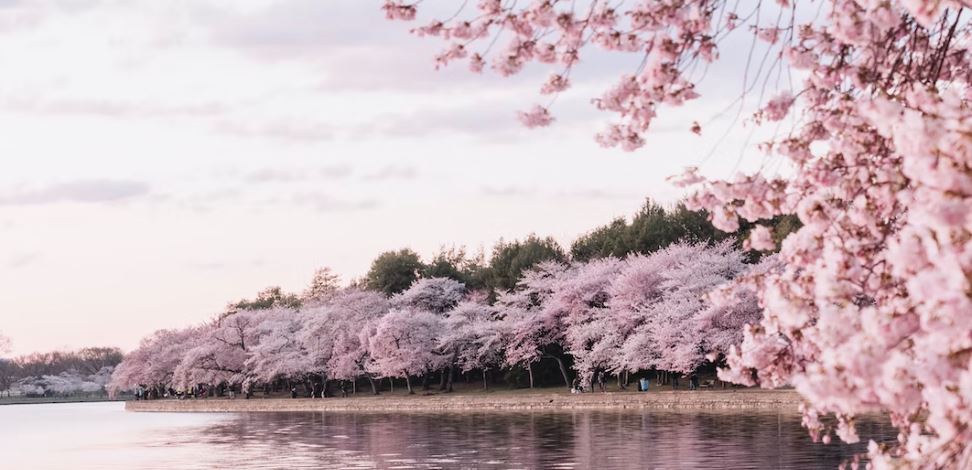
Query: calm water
x: 103, y: 435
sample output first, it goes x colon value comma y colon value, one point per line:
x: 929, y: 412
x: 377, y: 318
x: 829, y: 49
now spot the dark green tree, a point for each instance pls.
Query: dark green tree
x: 267, y: 298
x: 607, y: 240
x: 394, y: 271
x: 654, y: 227
x: 455, y: 263
x: 510, y: 259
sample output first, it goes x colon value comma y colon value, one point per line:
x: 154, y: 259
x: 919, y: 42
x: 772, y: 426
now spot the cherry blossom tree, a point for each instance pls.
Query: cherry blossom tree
x: 332, y: 334
x: 66, y: 383
x: 153, y: 363
x: 871, y: 309
x: 221, y: 355
x: 659, y: 316
x: 474, y: 337
x: 492, y: 337
x: 436, y: 295
x: 637, y: 285
x: 670, y: 336
x: 405, y: 343
x: 534, y: 335
x: 580, y: 300
x: 731, y: 307
x: 279, y: 353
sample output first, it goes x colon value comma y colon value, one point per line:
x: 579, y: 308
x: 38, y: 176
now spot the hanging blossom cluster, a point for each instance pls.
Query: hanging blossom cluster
x: 669, y: 35
x: 872, y: 309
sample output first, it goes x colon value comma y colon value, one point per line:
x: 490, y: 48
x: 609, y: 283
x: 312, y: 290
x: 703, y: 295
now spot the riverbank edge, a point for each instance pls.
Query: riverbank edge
x: 467, y: 402
x: 39, y: 401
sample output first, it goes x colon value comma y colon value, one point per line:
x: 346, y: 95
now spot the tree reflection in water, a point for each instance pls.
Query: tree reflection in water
x: 581, y: 439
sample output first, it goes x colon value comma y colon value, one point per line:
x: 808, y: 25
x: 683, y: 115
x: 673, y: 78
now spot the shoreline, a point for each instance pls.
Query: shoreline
x: 487, y: 402
x: 54, y: 401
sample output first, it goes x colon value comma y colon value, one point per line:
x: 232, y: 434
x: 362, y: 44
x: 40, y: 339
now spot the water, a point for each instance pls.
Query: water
x: 103, y: 435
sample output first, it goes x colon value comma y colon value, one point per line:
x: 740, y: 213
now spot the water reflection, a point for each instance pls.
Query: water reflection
x: 582, y: 439
x: 105, y: 436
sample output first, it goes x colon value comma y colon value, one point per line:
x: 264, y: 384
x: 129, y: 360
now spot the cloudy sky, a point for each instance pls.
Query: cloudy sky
x: 160, y: 158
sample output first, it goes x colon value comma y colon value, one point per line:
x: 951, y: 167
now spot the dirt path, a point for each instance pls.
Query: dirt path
x: 496, y: 401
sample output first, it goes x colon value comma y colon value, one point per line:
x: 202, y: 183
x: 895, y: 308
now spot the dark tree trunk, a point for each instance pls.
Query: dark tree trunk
x: 449, y: 379
x: 426, y: 379
x: 530, y: 373
x: 391, y: 383
x: 442, y: 377
x: 563, y: 369
x: 408, y: 384
x: 485, y: 386
x: 374, y: 387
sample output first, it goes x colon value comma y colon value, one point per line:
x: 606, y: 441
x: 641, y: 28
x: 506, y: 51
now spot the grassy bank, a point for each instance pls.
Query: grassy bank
x: 503, y: 400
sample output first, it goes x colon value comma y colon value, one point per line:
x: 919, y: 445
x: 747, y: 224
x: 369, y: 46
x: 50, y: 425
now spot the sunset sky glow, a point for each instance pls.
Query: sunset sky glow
x: 161, y: 158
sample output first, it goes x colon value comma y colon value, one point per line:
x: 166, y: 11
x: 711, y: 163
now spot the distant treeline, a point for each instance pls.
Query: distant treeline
x: 625, y: 298
x: 653, y: 227
x: 59, y: 373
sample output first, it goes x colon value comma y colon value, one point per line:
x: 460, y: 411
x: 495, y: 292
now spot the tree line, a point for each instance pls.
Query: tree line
x: 626, y: 297
x: 62, y: 373
x: 652, y: 228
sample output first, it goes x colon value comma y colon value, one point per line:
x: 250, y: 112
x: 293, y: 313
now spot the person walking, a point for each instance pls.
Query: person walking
x: 293, y: 392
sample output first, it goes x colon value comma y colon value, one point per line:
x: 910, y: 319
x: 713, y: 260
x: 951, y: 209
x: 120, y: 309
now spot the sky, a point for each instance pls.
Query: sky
x: 159, y: 159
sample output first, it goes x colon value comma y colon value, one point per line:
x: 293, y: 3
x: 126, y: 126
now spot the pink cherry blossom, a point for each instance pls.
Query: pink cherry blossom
x: 869, y: 310
x: 760, y: 238
x: 537, y: 116
x: 405, y: 343
x: 395, y: 10
x: 436, y: 295
x: 778, y: 107
x: 556, y: 83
